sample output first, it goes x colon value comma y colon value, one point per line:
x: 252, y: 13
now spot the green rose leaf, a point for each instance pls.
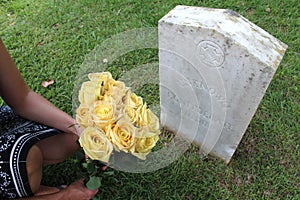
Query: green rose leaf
x: 84, y: 165
x: 93, y: 183
x: 109, y: 173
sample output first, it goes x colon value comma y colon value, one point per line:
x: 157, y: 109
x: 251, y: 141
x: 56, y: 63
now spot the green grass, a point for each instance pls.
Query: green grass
x: 49, y: 40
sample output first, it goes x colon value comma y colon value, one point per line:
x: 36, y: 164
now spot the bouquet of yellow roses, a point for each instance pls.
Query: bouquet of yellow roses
x: 114, y: 118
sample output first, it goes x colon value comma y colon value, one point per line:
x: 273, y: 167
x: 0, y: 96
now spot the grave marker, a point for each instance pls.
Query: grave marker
x: 215, y: 67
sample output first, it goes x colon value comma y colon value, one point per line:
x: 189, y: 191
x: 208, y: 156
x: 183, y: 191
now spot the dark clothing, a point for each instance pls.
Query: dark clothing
x: 17, y: 136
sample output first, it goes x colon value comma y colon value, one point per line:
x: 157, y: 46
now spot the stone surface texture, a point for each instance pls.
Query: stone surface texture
x: 214, y: 69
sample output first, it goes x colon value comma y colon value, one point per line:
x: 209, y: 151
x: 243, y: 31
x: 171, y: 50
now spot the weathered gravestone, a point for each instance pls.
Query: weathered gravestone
x: 214, y: 68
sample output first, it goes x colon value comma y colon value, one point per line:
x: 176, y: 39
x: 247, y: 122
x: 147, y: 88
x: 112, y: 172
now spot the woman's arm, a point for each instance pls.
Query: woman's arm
x: 76, y: 191
x: 25, y: 102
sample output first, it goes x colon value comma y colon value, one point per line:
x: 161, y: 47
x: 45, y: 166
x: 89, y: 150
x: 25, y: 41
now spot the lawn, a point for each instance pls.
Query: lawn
x: 50, y: 39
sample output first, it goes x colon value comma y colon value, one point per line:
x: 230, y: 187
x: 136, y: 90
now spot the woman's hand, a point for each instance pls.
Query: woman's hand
x: 76, y: 129
x: 77, y: 191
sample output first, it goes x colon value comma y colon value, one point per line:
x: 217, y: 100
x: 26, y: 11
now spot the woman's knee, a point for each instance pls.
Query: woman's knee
x: 57, y: 148
x: 34, y: 164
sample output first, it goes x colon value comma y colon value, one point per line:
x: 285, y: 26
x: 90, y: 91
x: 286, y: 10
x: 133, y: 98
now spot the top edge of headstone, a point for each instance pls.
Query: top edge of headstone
x: 232, y: 25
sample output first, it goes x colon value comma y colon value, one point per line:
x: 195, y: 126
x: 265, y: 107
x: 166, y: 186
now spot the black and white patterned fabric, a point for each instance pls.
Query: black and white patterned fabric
x: 17, y: 136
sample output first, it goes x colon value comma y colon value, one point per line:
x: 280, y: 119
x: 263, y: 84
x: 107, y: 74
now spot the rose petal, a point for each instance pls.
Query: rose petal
x: 47, y: 83
x: 86, y: 157
x: 104, y: 168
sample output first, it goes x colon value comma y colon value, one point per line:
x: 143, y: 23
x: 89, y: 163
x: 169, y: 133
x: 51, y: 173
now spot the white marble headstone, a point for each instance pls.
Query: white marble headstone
x: 214, y: 68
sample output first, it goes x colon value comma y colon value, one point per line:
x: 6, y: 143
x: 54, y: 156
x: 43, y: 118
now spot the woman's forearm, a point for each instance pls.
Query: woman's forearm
x: 36, y: 108
x: 55, y: 196
x: 75, y: 191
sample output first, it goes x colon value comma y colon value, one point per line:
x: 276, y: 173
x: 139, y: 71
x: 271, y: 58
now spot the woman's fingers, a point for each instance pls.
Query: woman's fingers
x: 90, y: 193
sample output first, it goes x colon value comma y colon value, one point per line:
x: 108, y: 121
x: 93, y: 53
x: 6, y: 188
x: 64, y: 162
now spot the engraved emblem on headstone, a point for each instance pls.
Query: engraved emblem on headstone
x: 210, y: 53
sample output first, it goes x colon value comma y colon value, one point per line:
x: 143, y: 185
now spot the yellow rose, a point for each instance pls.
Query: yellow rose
x: 147, y: 118
x: 83, y: 117
x: 123, y: 135
x: 119, y: 84
x: 131, y: 113
x: 89, y: 92
x: 103, y: 112
x: 107, y: 129
x: 105, y: 80
x: 95, y: 144
x: 133, y: 104
x: 110, y: 83
x: 118, y: 93
x: 144, y: 146
x: 134, y: 101
x: 100, y: 77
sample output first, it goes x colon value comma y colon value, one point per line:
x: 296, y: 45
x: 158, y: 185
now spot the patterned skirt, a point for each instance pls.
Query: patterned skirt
x: 17, y: 136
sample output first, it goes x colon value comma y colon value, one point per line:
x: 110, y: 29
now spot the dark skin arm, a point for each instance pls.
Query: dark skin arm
x: 25, y: 102
x: 76, y: 191
x: 30, y: 105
